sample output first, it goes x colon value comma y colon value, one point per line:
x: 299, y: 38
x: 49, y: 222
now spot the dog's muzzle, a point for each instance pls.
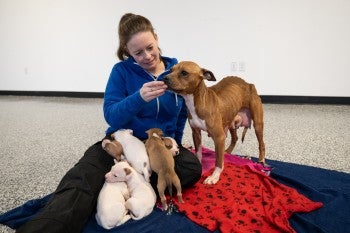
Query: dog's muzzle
x: 166, y: 80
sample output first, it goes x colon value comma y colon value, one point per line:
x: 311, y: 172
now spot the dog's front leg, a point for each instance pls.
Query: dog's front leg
x: 219, y: 141
x: 197, y: 140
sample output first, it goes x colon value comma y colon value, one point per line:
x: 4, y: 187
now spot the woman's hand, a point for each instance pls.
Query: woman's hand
x: 152, y: 90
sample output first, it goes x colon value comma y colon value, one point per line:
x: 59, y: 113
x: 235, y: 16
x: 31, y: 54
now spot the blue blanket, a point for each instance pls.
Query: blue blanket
x: 332, y: 188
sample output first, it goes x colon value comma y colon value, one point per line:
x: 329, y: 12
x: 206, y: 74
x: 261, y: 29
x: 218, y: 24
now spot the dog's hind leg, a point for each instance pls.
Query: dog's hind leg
x: 243, y: 133
x: 234, y: 139
x: 258, y: 122
x: 126, y: 218
x: 161, y: 188
x: 177, y: 184
x: 259, y: 136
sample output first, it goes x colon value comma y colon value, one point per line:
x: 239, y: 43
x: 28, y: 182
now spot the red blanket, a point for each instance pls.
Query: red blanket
x: 244, y: 200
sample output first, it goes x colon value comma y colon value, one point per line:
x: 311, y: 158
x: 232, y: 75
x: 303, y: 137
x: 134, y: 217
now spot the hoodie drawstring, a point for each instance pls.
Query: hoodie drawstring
x: 177, y: 102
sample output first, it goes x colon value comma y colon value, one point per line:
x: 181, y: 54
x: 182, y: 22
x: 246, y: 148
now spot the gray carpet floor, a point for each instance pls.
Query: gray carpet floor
x: 43, y: 137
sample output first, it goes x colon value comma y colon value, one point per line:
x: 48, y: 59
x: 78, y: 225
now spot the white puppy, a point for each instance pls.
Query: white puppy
x: 134, y: 151
x: 142, y: 196
x: 111, y: 210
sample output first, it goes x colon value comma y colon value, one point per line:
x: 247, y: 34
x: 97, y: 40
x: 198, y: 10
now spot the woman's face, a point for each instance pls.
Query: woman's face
x: 143, y: 47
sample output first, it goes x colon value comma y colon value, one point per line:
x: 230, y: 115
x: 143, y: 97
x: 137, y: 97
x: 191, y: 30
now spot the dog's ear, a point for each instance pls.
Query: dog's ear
x: 118, y: 146
x: 118, y: 157
x: 168, y: 143
x: 159, y: 132
x: 105, y: 142
x: 127, y: 171
x: 208, y: 75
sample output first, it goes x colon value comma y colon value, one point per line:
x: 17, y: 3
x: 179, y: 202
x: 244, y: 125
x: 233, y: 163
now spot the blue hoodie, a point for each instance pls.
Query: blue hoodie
x: 124, y: 107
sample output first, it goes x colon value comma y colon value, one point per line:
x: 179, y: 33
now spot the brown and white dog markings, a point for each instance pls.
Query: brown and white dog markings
x: 113, y: 148
x: 134, y: 151
x: 162, y: 162
x: 230, y: 103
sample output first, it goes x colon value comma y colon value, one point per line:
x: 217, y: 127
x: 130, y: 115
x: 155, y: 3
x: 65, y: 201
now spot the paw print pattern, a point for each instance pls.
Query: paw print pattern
x: 244, y: 200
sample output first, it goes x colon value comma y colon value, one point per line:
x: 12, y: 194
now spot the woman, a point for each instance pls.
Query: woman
x: 135, y: 98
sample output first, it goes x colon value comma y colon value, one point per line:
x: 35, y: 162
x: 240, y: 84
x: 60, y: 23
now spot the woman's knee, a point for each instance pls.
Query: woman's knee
x: 188, y: 168
x: 98, y: 157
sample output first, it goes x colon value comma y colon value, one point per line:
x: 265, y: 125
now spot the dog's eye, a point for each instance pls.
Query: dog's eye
x: 184, y: 73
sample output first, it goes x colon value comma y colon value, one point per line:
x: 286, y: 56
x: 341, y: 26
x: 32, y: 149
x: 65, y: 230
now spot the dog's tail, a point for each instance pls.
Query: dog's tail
x: 254, y: 93
x: 253, y: 89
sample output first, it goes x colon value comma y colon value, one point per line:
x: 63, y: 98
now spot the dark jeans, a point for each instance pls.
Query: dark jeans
x: 75, y: 198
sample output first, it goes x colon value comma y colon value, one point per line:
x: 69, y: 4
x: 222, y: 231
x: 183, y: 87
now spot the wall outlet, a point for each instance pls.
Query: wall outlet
x: 234, y: 66
x: 241, y: 66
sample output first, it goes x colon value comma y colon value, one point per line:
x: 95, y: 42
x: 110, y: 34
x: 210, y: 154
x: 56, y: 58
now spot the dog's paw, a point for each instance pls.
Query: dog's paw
x: 214, y: 177
x: 211, y: 180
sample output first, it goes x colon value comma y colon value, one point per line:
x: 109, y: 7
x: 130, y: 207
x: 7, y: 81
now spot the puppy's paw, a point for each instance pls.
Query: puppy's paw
x: 214, y: 177
x: 164, y: 206
x: 179, y: 198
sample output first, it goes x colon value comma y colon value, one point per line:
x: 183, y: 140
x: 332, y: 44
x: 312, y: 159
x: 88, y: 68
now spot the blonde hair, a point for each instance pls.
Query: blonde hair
x: 129, y: 25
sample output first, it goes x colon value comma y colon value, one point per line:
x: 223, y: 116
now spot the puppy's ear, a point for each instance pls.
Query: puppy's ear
x: 118, y: 157
x: 168, y: 143
x: 105, y: 142
x: 127, y: 171
x: 160, y: 132
x: 208, y: 75
x: 118, y: 147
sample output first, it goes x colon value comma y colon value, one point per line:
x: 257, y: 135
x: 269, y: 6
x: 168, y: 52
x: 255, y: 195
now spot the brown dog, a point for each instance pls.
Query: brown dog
x: 162, y: 162
x: 230, y: 103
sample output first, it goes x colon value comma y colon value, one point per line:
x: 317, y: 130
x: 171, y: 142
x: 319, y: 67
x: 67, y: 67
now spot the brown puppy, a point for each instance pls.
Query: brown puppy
x: 113, y: 148
x: 162, y: 162
x: 213, y: 109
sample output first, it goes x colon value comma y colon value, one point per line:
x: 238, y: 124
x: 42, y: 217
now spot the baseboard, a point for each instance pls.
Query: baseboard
x: 268, y: 99
x: 55, y: 94
x: 277, y: 99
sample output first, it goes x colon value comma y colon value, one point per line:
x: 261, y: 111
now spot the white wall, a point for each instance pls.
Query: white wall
x: 286, y: 47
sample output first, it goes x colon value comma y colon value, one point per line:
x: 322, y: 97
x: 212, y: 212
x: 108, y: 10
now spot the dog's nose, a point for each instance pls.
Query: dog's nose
x: 166, y: 79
